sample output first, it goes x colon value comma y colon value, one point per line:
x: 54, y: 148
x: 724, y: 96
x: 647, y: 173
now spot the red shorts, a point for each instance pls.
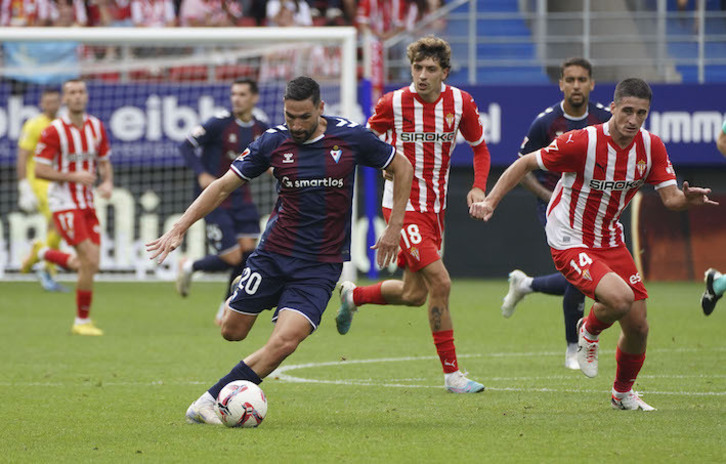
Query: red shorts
x: 77, y: 225
x: 421, y: 238
x: 585, y: 267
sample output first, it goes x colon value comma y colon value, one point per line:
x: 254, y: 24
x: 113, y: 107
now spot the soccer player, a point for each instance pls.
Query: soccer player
x: 72, y: 151
x: 33, y: 192
x: 575, y: 111
x: 300, y: 256
x: 422, y: 121
x: 603, y: 167
x: 232, y: 228
x: 715, y: 281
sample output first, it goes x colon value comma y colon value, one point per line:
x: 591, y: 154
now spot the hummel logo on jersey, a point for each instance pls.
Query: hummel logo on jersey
x: 427, y: 136
x: 597, y: 184
x: 287, y: 158
x: 335, y: 153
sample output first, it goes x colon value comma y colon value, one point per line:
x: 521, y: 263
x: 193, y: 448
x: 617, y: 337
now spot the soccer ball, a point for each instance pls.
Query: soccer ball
x: 241, y: 404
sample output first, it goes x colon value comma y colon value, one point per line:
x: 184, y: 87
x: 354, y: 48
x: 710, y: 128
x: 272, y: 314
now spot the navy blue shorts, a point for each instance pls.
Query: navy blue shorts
x: 290, y: 284
x: 225, y: 227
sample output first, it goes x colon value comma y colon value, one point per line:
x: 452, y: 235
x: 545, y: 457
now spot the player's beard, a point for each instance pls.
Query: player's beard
x: 303, y: 136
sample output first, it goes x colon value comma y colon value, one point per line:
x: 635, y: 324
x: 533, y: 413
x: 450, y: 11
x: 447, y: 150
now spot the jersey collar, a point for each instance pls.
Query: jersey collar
x: 574, y: 118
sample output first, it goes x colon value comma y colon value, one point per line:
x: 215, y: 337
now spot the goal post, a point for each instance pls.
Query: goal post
x: 151, y: 87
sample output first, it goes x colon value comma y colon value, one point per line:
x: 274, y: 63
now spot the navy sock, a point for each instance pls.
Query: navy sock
x: 573, y: 305
x: 239, y: 372
x: 552, y: 284
x: 210, y: 263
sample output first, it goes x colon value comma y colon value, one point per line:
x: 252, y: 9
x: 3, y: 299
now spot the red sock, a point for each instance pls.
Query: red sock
x: 57, y: 257
x: 628, y: 367
x: 444, y: 341
x: 83, y: 303
x: 595, y: 325
x: 369, y: 294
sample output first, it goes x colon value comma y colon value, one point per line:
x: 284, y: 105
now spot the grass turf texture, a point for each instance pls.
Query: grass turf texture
x: 122, y: 397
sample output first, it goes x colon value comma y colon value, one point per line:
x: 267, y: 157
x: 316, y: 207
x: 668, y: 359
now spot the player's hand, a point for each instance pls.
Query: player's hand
x: 474, y: 195
x: 387, y: 175
x: 387, y: 246
x: 27, y: 200
x: 697, y: 196
x: 481, y: 210
x: 83, y: 177
x: 162, y: 246
x: 205, y: 179
x: 105, y: 190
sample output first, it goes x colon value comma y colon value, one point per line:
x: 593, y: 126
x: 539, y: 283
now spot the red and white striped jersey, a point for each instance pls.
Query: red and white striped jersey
x: 68, y: 148
x: 598, y: 181
x: 426, y: 134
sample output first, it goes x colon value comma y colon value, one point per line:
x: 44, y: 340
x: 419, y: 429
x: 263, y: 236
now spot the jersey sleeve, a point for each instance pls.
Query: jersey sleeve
x: 28, y: 136
x: 536, y: 138
x: 201, y: 135
x: 471, y: 127
x: 372, y: 151
x: 566, y: 153
x: 254, y: 160
x: 48, y: 147
x: 661, y: 173
x: 382, y: 119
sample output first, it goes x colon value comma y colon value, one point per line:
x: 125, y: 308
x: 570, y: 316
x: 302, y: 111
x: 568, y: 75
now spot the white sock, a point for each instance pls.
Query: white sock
x: 80, y: 321
x: 41, y: 253
x: 525, y: 285
x: 188, y: 266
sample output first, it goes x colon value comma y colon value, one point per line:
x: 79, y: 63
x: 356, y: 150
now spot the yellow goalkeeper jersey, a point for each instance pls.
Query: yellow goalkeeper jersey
x: 29, y: 137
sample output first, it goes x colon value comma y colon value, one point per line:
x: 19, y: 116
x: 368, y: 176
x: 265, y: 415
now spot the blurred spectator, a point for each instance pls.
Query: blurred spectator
x: 153, y: 13
x: 120, y: 13
x: 209, y: 13
x: 68, y: 13
x: 19, y: 13
x: 284, y: 13
x: 383, y: 18
x: 420, y: 10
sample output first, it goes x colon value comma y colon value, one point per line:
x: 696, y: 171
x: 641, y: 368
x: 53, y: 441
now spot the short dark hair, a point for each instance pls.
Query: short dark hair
x: 632, y: 87
x: 576, y: 61
x: 49, y: 90
x: 251, y: 82
x: 430, y: 47
x: 301, y: 88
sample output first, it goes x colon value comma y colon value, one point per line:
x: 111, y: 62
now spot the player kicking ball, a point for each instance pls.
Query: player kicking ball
x: 602, y: 168
x: 300, y: 256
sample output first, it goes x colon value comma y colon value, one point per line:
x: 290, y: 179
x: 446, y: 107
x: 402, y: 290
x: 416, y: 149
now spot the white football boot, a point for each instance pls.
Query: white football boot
x: 183, y: 277
x: 571, y: 357
x: 629, y: 401
x: 456, y: 382
x: 202, y: 411
x: 586, y: 351
x: 516, y: 292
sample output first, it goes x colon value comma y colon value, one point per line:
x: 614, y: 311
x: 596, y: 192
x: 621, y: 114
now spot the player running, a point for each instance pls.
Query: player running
x: 422, y: 121
x: 603, y: 167
x: 33, y: 192
x: 70, y: 154
x: 300, y: 256
x: 232, y: 228
x: 575, y: 111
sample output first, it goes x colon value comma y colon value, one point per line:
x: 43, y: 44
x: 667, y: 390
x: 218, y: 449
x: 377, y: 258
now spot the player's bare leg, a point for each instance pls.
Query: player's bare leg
x: 89, y: 256
x: 235, y: 326
x: 290, y: 329
x: 438, y: 283
x: 614, y: 300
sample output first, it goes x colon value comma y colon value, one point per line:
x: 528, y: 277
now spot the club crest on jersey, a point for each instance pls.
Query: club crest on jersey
x: 640, y: 166
x: 336, y: 153
x: 449, y: 119
x: 287, y: 158
x: 414, y: 252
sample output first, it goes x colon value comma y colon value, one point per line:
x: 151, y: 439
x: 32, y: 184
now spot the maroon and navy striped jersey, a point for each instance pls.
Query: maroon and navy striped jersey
x: 598, y: 181
x: 312, y: 216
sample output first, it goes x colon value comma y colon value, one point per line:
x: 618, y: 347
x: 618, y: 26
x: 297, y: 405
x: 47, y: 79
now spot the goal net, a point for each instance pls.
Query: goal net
x: 151, y: 87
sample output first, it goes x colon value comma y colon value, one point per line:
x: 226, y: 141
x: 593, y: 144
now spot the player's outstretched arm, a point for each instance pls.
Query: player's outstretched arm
x: 387, y: 244
x: 510, y: 178
x: 205, y: 203
x: 679, y: 200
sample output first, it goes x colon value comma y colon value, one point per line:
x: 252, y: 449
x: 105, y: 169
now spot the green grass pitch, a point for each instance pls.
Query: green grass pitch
x: 374, y: 395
